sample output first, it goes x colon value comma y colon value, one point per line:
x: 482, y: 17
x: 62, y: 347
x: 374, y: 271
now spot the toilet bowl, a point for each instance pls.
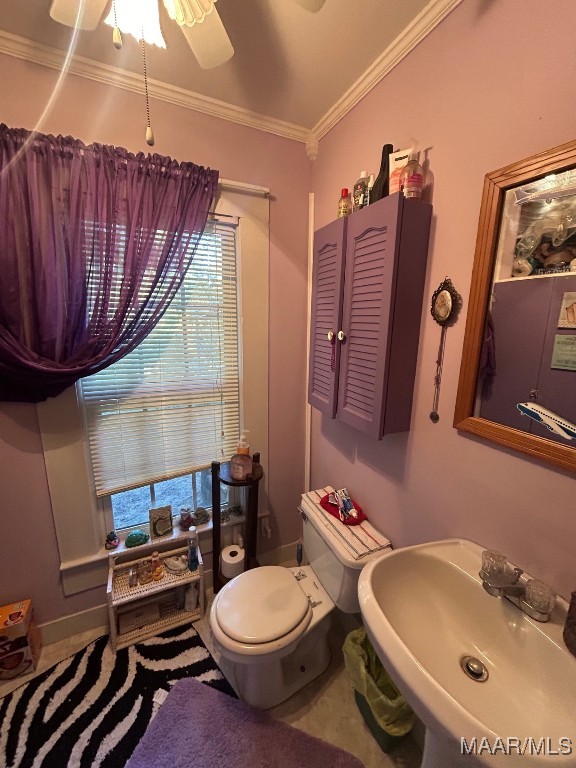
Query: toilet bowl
x: 271, y: 624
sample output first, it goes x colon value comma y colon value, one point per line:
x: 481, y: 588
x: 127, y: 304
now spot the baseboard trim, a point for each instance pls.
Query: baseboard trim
x: 74, y: 624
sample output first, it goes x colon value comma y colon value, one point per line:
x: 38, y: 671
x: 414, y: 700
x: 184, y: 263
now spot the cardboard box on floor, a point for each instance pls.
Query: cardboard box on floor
x: 20, y: 642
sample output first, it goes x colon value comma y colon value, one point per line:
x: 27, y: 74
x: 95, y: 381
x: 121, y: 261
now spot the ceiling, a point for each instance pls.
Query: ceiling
x: 293, y: 71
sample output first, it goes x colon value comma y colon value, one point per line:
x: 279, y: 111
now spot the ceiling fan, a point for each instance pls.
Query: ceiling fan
x: 198, y: 20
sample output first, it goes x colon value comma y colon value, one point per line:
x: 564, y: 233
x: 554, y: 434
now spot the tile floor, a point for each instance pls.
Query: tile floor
x: 325, y: 708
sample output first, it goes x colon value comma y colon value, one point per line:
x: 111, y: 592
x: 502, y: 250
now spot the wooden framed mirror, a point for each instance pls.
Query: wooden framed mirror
x: 517, y: 384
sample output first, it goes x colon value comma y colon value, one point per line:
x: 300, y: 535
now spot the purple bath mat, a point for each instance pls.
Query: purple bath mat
x: 201, y: 727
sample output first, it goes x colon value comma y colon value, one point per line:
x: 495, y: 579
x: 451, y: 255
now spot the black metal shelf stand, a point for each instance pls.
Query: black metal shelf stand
x: 221, y: 474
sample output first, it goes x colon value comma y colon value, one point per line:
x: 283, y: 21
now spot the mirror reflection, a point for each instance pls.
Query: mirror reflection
x: 528, y: 380
x: 517, y: 382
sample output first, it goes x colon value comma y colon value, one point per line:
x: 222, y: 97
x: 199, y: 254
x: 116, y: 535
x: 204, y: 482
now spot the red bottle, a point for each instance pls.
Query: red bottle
x: 344, y: 204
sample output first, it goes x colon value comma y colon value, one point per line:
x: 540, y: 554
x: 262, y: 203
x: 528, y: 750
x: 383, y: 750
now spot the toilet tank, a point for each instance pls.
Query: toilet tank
x: 337, y: 570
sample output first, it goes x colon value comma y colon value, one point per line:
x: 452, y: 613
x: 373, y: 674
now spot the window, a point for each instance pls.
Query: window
x: 78, y: 519
x: 128, y: 509
x: 158, y: 417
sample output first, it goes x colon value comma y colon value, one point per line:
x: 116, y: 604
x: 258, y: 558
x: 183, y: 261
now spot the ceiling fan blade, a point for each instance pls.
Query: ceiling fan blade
x: 188, y: 11
x: 311, y: 5
x: 209, y: 41
x: 82, y: 14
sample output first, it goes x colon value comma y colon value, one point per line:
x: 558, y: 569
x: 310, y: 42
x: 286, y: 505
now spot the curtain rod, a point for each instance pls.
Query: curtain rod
x: 238, y: 186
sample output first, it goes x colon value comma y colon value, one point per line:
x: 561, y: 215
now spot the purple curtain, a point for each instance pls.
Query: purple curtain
x: 94, y: 243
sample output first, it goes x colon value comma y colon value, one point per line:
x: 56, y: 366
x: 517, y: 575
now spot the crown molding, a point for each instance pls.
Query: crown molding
x: 422, y: 25
x: 416, y: 31
x: 22, y: 48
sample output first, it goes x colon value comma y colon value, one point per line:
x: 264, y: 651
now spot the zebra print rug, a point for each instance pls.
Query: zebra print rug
x: 91, y: 710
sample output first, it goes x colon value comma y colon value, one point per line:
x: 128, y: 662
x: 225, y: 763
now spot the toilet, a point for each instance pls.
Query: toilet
x: 270, y: 624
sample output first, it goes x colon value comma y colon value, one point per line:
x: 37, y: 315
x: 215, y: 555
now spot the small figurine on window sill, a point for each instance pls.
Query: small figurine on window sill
x: 186, y: 519
x: 201, y: 516
x: 135, y: 538
x: 112, y: 540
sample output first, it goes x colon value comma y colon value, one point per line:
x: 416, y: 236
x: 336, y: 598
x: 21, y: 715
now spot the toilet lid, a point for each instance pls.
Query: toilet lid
x: 261, y: 605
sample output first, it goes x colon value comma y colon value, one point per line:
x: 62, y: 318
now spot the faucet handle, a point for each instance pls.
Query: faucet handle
x: 494, y: 566
x: 540, y: 596
x: 498, y: 573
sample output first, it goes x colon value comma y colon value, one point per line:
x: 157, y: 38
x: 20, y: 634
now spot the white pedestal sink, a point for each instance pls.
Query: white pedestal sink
x: 424, y: 609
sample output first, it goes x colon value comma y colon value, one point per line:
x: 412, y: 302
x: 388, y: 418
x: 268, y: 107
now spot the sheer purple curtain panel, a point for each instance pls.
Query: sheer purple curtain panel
x: 94, y: 244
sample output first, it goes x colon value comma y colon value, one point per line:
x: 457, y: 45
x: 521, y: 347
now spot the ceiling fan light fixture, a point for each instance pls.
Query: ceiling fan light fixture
x: 82, y: 14
x: 137, y: 18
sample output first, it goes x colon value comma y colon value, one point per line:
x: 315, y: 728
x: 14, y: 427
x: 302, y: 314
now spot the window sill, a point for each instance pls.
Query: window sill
x: 91, y: 571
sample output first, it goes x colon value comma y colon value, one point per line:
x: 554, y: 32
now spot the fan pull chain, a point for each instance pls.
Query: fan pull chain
x: 149, y: 132
x: 116, y: 35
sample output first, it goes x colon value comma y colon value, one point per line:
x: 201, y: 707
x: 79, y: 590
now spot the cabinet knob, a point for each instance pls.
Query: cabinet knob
x: 330, y: 335
x: 341, y: 336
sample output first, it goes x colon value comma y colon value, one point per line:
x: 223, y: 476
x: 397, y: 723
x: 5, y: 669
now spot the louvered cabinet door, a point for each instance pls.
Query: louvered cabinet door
x: 368, y: 296
x: 327, y: 285
x: 386, y: 254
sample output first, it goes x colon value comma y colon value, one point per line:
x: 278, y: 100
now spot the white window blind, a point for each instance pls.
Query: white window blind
x: 172, y: 405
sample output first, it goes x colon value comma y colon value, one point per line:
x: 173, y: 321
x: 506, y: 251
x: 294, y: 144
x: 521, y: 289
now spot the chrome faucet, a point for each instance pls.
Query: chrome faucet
x: 502, y: 579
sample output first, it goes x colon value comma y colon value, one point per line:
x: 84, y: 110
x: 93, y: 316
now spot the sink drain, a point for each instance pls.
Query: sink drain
x: 474, y: 668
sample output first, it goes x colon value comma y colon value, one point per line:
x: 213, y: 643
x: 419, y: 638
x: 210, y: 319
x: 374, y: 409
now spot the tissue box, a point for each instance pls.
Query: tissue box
x: 20, y: 642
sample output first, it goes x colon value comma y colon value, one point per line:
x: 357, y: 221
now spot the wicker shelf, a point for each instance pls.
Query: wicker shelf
x: 152, y: 607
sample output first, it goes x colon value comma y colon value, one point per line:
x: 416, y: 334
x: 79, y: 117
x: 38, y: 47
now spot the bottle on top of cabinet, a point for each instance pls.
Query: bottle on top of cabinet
x: 369, y: 188
x: 359, y: 192
x: 397, y: 163
x: 381, y: 186
x: 412, y: 177
x: 344, y: 204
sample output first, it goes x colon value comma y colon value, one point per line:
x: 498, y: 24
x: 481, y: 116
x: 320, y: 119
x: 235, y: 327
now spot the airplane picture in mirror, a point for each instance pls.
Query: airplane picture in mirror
x: 519, y: 356
x: 551, y: 421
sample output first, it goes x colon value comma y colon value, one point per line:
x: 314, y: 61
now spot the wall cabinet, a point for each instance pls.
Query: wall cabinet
x: 367, y: 297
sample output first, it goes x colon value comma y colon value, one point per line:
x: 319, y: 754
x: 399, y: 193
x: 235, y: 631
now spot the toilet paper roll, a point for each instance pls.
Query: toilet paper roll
x: 232, y: 561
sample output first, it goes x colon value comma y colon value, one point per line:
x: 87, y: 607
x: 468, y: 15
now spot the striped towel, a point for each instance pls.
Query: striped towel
x: 360, y: 540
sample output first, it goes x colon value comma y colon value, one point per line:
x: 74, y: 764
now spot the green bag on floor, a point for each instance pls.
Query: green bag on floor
x: 389, y: 708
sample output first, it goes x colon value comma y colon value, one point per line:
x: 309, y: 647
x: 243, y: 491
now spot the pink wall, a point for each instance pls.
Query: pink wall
x: 494, y: 83
x: 29, y: 565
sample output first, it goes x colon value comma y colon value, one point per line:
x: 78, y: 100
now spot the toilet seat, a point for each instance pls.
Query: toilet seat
x: 261, y: 611
x: 261, y: 605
